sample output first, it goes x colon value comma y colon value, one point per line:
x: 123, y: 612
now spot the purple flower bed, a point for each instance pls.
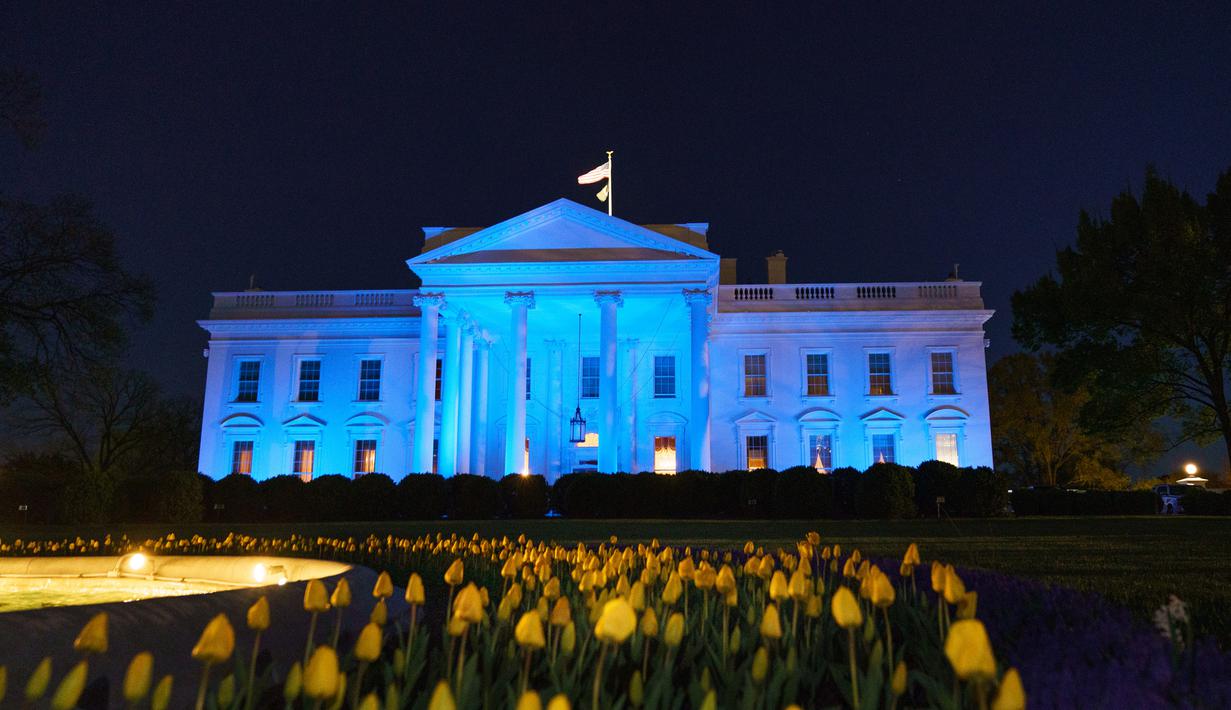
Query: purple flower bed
x: 1075, y: 649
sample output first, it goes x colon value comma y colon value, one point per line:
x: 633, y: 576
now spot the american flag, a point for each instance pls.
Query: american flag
x: 602, y: 172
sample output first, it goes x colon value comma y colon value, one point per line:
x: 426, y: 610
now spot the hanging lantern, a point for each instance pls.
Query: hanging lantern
x: 577, y: 427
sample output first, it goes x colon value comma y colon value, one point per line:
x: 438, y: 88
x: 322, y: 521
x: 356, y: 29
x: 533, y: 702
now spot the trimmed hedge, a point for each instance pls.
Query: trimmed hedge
x: 1059, y: 501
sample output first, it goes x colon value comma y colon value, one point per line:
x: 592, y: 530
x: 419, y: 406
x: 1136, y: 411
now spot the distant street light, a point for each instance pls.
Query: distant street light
x: 1190, y: 469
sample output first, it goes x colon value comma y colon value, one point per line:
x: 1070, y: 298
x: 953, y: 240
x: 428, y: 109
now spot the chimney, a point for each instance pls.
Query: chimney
x: 776, y: 266
x: 726, y: 272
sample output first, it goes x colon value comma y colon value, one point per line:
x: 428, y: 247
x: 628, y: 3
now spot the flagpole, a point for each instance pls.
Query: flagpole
x: 610, y: 179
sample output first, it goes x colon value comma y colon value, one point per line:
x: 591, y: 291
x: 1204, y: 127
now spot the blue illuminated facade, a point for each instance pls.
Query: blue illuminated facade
x: 678, y: 367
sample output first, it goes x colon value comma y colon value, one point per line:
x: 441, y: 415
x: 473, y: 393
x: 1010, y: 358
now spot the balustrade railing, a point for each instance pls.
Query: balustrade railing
x: 230, y: 302
x: 949, y: 294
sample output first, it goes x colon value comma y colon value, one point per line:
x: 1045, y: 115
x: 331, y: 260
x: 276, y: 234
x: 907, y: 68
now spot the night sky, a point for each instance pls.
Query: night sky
x: 308, y: 142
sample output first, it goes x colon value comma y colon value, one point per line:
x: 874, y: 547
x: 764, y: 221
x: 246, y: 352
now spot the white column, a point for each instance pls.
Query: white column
x: 429, y: 305
x: 608, y: 437
x: 465, y: 411
x: 450, y: 405
x: 628, y: 413
x: 480, y: 408
x: 555, y: 408
x: 699, y: 379
x: 515, y: 423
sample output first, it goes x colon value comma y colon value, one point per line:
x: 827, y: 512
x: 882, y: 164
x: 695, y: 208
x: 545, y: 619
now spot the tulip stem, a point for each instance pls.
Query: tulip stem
x: 307, y: 648
x: 461, y: 659
x: 726, y: 612
x: 598, y: 676
x: 256, y: 648
x: 337, y: 625
x: 645, y: 658
x: 363, y: 667
x: 888, y: 637
x: 525, y: 671
x: 981, y: 694
x: 203, y: 687
x: 850, y: 637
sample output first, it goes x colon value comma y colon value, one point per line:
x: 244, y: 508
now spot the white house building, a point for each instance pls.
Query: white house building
x: 641, y: 329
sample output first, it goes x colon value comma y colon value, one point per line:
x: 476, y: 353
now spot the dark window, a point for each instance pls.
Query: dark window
x: 309, y: 381
x: 369, y: 380
x: 943, y: 381
x: 249, y: 380
x: 589, y: 377
x: 664, y: 375
x: 754, y: 375
x: 880, y: 378
x: 818, y: 375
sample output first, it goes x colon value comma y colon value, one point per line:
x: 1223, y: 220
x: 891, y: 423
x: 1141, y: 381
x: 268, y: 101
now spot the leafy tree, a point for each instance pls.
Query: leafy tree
x: 1139, y: 310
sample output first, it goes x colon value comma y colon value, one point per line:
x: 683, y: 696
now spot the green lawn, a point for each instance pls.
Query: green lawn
x: 1136, y: 561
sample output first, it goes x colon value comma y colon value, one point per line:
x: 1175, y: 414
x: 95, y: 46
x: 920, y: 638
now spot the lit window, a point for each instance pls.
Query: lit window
x: 369, y: 380
x: 589, y: 377
x: 249, y: 379
x: 439, y: 370
x: 664, y: 378
x: 590, y: 442
x: 241, y: 457
x: 309, y: 381
x: 754, y: 375
x: 820, y: 450
x: 943, y: 381
x: 884, y: 448
x: 757, y: 451
x: 527, y: 379
x: 664, y: 454
x: 365, y: 456
x: 305, y: 457
x: 817, y: 374
x: 880, y: 377
x: 946, y: 448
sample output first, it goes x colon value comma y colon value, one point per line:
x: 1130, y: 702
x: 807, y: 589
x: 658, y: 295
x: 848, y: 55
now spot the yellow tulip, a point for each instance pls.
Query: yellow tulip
x: 845, y: 609
x: 636, y: 595
x: 315, y: 597
x: 568, y: 638
x: 369, y: 643
x: 799, y: 588
x: 369, y: 702
x: 383, y: 587
x: 162, y: 694
x: 969, y: 651
x: 453, y: 577
x: 882, y: 592
x: 1011, y: 695
x: 442, y: 698
x: 771, y: 623
x: 686, y: 569
x: 778, y: 588
x: 760, y: 665
x: 415, y: 593
x: 320, y: 677
x: 341, y: 596
x: 705, y: 578
x: 848, y: 569
x: 137, y: 677
x: 551, y: 588
x: 69, y: 691
x: 561, y: 613
x: 258, y: 615
x: 725, y: 581
x: 93, y: 636
x: 675, y: 630
x: 766, y: 569
x: 649, y: 623
x: 37, y: 684
x: 529, y: 631
x: 967, y: 607
x: 813, y: 608
x: 749, y: 547
x: 954, y: 589
x: 559, y: 702
x: 617, y: 621
x: 899, y: 677
x: 380, y: 613
x: 711, y: 700
x: 468, y: 606
x: 938, y: 577
x: 529, y: 700
x: 912, y: 556
x: 294, y: 682
x: 672, y: 590
x: 217, y: 641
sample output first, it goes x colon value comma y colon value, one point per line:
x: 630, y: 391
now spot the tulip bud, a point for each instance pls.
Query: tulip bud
x: 93, y: 636
x: 69, y: 691
x: 36, y: 686
x: 442, y: 697
x: 617, y: 621
x: 315, y: 597
x: 226, y: 690
x: 969, y: 651
x: 899, y: 678
x: 367, y: 647
x: 649, y: 623
x: 217, y: 641
x: 675, y: 630
x: 529, y: 700
x: 341, y: 596
x: 551, y: 588
x: 320, y: 677
x: 636, y: 690
x: 414, y: 590
x: 1011, y: 695
x: 967, y: 607
x: 294, y: 682
x: 559, y: 702
x: 453, y: 577
x: 399, y: 662
x: 162, y: 694
x: 568, y: 639
x: 912, y: 556
x: 771, y: 623
x: 380, y: 613
x: 137, y: 678
x: 258, y: 615
x: 760, y: 665
x: 799, y: 587
x: 765, y: 569
x: 369, y: 702
x: 457, y: 627
x: 711, y: 700
x: 468, y: 606
x: 671, y: 592
x: 938, y: 577
x: 529, y: 631
x: 636, y: 596
x: 845, y: 609
x: 882, y: 592
x: 724, y: 582
x: 778, y: 589
x: 877, y: 657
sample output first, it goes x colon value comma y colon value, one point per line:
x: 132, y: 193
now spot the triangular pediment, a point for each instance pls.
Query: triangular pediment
x: 882, y: 414
x: 558, y: 232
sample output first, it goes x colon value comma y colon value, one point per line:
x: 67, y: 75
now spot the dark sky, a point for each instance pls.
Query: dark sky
x: 308, y: 142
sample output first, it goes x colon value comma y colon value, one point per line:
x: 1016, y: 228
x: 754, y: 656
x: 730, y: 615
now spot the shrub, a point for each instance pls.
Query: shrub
x: 178, y: 497
x: 801, y: 492
x: 689, y: 494
x: 284, y: 499
x: 937, y: 479
x: 88, y: 498
x: 524, y: 496
x: 845, y: 484
x: 421, y: 496
x: 583, y: 495
x: 1057, y: 501
x: 373, y: 497
x: 472, y: 497
x: 981, y: 493
x: 1202, y: 502
x: 886, y: 490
